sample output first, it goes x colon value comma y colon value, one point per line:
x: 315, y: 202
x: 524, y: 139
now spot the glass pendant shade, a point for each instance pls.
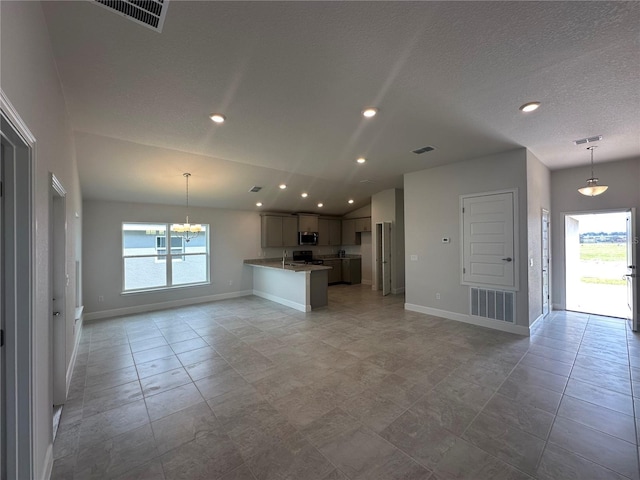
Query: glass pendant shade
x: 592, y: 189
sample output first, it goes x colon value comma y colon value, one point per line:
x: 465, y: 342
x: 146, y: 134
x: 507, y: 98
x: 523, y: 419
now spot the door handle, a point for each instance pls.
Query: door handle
x: 508, y: 259
x: 632, y: 275
x: 56, y: 314
x: 632, y: 267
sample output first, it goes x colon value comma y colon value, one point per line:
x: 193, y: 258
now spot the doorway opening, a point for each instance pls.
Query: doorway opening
x: 596, y: 263
x: 383, y: 258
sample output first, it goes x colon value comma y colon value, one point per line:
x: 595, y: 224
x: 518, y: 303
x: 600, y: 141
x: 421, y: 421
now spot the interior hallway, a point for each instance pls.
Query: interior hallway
x: 246, y: 389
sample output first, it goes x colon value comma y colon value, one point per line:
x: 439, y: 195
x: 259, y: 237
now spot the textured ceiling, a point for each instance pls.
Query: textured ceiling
x: 293, y: 77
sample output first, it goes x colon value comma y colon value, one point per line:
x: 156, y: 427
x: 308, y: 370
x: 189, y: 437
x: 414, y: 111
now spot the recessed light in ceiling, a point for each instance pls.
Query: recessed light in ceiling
x: 259, y: 204
x: 320, y: 205
x: 282, y: 186
x: 361, y: 160
x: 369, y: 112
x: 304, y: 194
x: 217, y: 117
x: 350, y: 200
x: 529, y: 107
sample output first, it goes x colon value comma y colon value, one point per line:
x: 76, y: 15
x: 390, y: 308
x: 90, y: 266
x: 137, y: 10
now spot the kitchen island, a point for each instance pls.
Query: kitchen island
x: 299, y: 286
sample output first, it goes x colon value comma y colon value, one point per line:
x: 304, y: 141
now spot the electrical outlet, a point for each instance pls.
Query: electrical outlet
x: 230, y: 282
x: 414, y: 258
x: 437, y: 296
x: 100, y: 298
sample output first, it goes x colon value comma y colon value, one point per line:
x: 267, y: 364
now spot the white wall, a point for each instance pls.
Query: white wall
x: 234, y: 237
x: 538, y: 197
x: 432, y: 211
x: 29, y: 79
x: 623, y: 179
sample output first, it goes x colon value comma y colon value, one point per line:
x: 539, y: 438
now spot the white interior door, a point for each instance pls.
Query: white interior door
x: 386, y: 258
x: 489, y: 239
x: 545, y: 263
x: 58, y: 261
x: 3, y: 388
x: 632, y: 269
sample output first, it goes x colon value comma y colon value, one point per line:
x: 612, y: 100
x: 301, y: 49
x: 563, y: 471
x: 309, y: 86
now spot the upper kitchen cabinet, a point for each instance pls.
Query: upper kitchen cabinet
x: 349, y: 236
x: 363, y: 224
x: 329, y: 231
x: 308, y: 223
x: 279, y: 231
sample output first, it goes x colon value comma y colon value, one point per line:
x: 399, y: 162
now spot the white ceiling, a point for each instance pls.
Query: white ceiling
x: 293, y: 77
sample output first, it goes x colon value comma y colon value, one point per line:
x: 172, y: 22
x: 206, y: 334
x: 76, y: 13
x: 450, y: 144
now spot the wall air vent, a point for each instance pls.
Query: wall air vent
x: 428, y: 148
x: 150, y: 13
x: 494, y: 304
x: 582, y: 141
x: 255, y: 189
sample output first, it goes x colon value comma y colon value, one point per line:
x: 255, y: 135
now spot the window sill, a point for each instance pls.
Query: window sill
x: 164, y: 289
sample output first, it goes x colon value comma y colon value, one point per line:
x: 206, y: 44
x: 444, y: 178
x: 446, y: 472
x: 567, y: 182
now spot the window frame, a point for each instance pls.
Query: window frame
x: 166, y: 258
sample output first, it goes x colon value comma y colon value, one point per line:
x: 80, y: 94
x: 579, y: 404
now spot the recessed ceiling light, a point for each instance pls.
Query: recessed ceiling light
x: 320, y: 205
x: 361, y: 160
x: 217, y: 117
x: 369, y: 112
x: 304, y: 194
x: 282, y: 186
x: 350, y: 200
x: 259, y: 204
x: 529, y: 107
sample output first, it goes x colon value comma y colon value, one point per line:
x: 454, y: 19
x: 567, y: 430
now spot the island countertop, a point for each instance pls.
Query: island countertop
x: 288, y: 265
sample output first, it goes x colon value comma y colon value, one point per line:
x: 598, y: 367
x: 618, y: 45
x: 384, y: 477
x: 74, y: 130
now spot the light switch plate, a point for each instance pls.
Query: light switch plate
x: 414, y: 258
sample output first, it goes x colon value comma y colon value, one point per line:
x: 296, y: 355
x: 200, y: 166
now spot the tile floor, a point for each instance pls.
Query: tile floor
x: 246, y: 389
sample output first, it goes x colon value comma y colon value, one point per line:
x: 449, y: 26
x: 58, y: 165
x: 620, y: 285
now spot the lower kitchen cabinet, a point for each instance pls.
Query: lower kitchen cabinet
x: 335, y: 274
x: 352, y: 270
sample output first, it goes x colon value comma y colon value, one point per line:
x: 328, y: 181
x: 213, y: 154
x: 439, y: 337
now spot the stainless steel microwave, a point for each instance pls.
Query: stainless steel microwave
x: 307, y: 238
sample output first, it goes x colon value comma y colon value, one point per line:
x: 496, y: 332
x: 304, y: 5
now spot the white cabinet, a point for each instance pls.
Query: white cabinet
x: 349, y: 236
x: 308, y: 223
x: 363, y: 224
x: 329, y: 231
x: 279, y: 231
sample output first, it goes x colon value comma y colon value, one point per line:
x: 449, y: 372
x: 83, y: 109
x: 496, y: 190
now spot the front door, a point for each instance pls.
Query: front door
x: 545, y: 263
x: 632, y: 269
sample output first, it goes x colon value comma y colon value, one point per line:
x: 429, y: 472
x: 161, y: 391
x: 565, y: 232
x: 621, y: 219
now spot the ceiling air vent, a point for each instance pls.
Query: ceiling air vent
x: 428, y: 148
x: 150, y: 13
x: 255, y: 189
x: 582, y: 141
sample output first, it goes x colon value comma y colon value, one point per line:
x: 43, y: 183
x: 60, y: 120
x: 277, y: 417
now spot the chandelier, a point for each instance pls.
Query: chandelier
x: 592, y: 189
x: 187, y: 230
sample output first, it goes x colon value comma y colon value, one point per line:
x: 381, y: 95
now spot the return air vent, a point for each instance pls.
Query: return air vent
x: 582, y: 141
x: 493, y: 304
x: 255, y: 189
x: 150, y: 13
x: 428, y: 148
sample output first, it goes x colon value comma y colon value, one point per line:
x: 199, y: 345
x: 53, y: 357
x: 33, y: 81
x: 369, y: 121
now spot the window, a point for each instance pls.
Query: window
x: 147, y: 265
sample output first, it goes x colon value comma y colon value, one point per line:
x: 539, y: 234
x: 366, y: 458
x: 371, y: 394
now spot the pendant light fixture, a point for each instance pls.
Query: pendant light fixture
x: 592, y: 189
x: 187, y: 230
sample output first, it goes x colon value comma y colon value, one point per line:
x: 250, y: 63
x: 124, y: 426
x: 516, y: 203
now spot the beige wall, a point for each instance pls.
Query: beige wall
x: 623, y: 179
x: 235, y: 236
x: 432, y: 211
x: 29, y: 80
x: 538, y: 197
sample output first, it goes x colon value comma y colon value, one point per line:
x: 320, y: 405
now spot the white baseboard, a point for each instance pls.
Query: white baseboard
x: 48, y: 463
x: 540, y: 317
x: 460, y: 317
x: 557, y: 306
x: 283, y: 301
x: 116, y: 312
